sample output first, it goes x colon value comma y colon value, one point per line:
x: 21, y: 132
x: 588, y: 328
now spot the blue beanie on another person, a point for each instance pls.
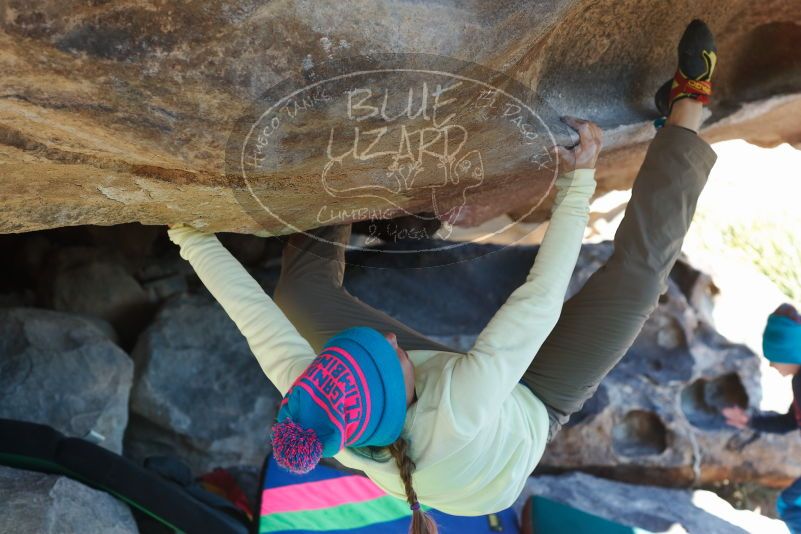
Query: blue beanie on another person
x: 781, y: 341
x: 352, y: 395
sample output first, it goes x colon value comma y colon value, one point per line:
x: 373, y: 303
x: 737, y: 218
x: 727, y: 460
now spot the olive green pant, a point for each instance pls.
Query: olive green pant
x: 597, y: 325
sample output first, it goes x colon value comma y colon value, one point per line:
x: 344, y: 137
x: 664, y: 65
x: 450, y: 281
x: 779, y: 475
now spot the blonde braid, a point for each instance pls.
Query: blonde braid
x: 422, y: 523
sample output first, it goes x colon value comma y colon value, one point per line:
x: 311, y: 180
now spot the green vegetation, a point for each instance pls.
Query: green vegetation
x: 774, y: 247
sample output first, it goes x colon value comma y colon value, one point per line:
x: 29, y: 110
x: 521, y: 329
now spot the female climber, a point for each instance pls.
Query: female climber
x: 462, y: 432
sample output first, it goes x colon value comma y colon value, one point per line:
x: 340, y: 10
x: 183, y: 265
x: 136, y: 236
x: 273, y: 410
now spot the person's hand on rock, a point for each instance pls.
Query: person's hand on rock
x: 736, y: 416
x: 585, y: 154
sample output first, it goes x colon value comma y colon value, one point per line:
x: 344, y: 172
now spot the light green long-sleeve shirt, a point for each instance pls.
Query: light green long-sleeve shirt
x: 475, y: 432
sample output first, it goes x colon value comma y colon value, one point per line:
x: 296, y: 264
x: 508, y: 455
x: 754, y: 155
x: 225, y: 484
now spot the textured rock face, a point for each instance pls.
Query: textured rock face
x: 648, y: 507
x: 113, y: 113
x: 105, y: 290
x: 50, y: 504
x: 470, y: 284
x: 656, y: 418
x: 64, y: 372
x: 199, y: 392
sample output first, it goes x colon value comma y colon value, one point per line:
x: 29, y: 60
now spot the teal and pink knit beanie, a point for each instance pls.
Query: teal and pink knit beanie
x: 351, y: 395
x: 781, y: 341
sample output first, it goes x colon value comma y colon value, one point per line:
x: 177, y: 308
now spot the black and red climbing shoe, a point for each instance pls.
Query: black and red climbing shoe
x: 693, y: 78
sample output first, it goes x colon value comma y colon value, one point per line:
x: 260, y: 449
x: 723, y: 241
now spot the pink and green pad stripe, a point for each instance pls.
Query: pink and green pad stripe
x: 346, y: 502
x: 350, y: 517
x: 330, y: 501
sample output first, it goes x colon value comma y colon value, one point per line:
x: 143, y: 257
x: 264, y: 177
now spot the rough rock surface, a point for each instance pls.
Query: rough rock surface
x: 471, y: 282
x: 106, y: 290
x: 51, y: 504
x: 113, y: 113
x: 63, y: 371
x: 655, y: 418
x: 648, y: 507
x: 199, y: 392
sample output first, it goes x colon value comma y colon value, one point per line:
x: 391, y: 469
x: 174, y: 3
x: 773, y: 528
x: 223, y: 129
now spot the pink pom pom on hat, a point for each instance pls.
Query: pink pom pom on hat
x: 296, y: 449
